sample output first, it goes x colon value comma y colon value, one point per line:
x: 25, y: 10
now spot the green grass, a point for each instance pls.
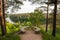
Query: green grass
x: 10, y: 37
x: 0, y: 29
x: 48, y: 35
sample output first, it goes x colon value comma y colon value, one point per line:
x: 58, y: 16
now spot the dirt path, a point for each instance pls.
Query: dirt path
x: 30, y: 35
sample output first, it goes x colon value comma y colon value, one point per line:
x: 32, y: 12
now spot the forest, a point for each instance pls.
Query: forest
x: 17, y: 25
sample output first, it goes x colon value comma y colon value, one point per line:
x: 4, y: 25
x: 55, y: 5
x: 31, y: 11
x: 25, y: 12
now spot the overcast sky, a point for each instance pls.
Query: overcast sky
x: 27, y: 7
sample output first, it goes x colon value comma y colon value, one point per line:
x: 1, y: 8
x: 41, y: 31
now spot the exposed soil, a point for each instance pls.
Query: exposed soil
x: 30, y: 35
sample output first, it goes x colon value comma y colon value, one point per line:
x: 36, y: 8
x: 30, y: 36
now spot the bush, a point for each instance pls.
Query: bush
x: 12, y: 27
x: 14, y: 18
x: 37, y: 18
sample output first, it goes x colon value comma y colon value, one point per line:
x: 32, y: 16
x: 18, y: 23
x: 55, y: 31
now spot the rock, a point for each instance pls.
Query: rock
x: 22, y: 30
x: 36, y: 29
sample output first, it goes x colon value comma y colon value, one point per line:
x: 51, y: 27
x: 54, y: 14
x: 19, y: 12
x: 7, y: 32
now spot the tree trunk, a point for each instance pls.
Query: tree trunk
x: 54, y: 18
x: 47, y: 18
x: 2, y: 17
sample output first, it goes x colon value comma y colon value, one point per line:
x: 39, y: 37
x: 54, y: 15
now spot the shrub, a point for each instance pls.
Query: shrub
x: 11, y: 27
x: 14, y: 18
